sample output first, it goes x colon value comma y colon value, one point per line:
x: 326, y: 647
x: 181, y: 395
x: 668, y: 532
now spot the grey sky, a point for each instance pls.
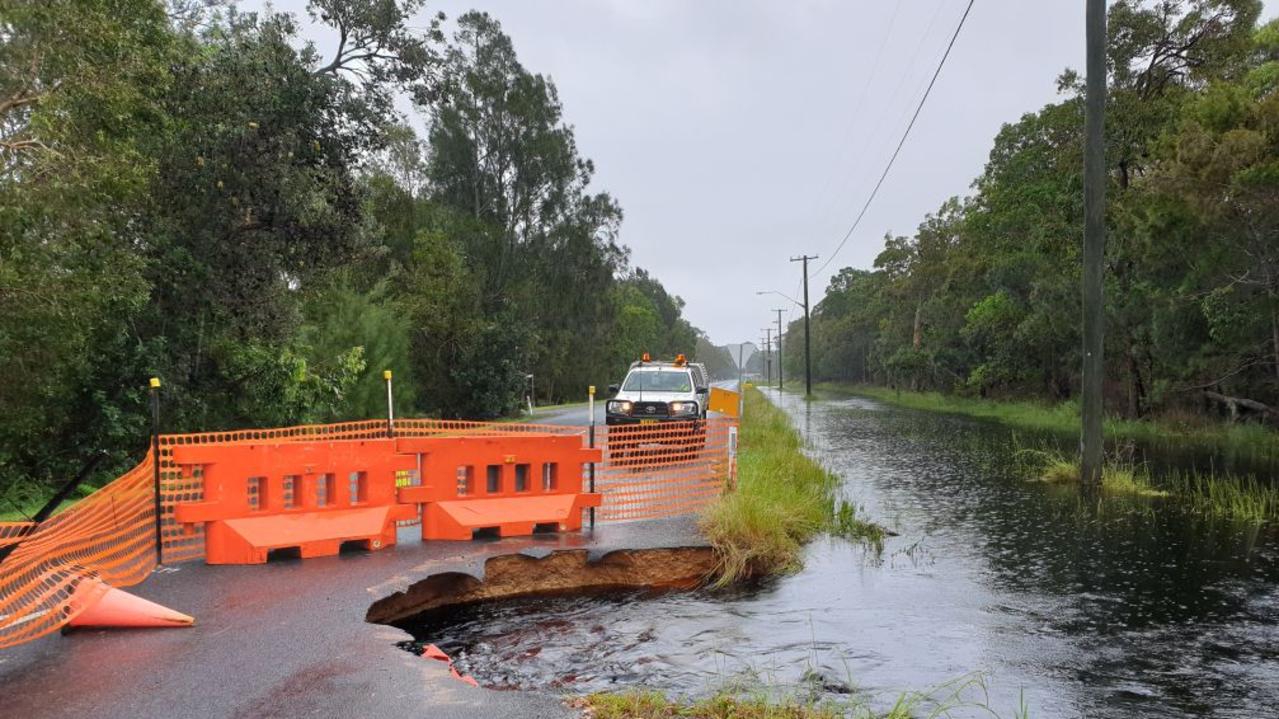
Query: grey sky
x: 738, y: 134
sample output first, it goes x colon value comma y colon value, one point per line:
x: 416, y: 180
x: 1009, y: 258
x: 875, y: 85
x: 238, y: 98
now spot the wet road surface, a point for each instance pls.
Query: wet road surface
x: 286, y: 639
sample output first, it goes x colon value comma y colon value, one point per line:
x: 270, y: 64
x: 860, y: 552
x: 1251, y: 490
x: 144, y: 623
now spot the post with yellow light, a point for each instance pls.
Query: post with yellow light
x: 390, y: 404
x: 590, y: 438
x: 155, y: 472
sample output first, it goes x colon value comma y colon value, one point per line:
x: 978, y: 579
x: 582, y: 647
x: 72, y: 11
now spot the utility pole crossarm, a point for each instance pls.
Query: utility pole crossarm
x: 808, y: 335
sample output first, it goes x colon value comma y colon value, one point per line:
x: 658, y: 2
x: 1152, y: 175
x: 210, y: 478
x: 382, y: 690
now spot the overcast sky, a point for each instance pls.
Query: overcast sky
x: 736, y: 134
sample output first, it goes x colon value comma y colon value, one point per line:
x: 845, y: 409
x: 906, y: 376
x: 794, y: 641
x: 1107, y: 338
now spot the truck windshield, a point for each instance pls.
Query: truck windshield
x: 656, y: 381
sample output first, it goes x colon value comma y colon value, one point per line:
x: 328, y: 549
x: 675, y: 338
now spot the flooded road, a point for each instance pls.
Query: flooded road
x: 1134, y: 610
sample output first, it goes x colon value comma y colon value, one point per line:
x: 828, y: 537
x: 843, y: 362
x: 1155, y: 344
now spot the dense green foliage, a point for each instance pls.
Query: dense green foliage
x: 195, y: 193
x: 984, y: 299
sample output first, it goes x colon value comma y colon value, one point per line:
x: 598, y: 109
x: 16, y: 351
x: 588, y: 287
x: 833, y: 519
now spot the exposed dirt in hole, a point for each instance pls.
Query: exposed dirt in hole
x: 515, y: 575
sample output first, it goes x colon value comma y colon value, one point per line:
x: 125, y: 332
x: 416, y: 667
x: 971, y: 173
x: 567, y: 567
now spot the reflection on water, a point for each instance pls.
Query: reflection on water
x: 1138, y: 610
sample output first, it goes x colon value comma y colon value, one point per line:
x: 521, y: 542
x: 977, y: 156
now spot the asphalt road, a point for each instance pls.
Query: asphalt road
x: 288, y: 639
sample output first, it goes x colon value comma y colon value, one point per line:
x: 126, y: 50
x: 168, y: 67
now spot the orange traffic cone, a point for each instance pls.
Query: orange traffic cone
x: 118, y: 608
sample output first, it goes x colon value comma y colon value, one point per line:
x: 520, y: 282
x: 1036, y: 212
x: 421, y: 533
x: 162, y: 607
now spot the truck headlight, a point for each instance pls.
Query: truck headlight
x: 619, y: 406
x: 683, y: 408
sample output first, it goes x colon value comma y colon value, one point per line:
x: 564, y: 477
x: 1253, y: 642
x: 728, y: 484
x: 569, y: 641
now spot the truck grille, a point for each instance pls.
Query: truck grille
x: 650, y: 409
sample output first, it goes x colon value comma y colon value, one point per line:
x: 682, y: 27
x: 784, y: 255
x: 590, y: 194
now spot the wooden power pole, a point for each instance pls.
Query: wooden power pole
x: 1090, y: 444
x: 808, y: 335
x: 780, y: 359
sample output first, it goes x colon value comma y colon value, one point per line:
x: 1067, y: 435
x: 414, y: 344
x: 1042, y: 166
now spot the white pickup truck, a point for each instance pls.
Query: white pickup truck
x: 658, y: 392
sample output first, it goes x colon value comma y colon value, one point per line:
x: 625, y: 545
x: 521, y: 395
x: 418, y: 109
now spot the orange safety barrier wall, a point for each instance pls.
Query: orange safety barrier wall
x: 109, y: 536
x: 643, y: 472
x: 313, y: 496
x: 512, y: 483
x: 666, y: 469
x: 181, y: 544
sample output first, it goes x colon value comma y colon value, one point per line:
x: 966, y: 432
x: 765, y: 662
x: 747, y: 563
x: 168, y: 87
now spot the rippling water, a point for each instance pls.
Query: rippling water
x: 1136, y: 610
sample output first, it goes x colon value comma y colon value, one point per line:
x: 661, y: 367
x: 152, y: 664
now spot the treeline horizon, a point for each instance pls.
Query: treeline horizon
x: 984, y: 298
x: 196, y: 193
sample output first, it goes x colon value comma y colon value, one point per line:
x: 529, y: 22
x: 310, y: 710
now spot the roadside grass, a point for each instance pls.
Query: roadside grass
x: 638, y: 704
x: 783, y: 500
x: 1063, y: 418
x: 965, y: 696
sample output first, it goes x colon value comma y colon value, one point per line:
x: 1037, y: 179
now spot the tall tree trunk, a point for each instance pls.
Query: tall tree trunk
x: 1274, y: 336
x: 1136, y: 388
x: 917, y: 337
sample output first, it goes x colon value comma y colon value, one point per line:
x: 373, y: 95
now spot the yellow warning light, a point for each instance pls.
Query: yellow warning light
x: 680, y: 360
x: 386, y: 375
x: 155, y: 383
x: 646, y: 358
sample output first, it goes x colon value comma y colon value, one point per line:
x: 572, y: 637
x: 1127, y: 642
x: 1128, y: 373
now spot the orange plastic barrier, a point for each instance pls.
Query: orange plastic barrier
x: 181, y: 545
x: 312, y: 495
x: 512, y: 484
x: 725, y: 401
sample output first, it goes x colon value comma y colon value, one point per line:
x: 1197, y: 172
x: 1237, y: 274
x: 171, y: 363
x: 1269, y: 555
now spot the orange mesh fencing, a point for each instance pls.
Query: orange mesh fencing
x: 109, y: 535
x: 648, y: 471
x: 11, y: 532
x: 651, y: 471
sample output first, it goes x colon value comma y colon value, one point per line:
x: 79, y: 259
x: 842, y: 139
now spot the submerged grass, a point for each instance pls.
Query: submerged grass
x: 783, y: 499
x: 1063, y: 418
x: 1224, y: 496
x: 1118, y: 478
x: 1243, y: 499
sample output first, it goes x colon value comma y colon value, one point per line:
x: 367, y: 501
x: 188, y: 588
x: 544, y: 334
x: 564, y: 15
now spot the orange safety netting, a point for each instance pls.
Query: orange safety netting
x: 109, y: 535
x: 648, y: 471
x: 660, y: 470
x: 11, y: 532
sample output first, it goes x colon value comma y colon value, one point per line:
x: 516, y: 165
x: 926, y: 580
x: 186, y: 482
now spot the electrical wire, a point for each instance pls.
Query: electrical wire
x: 883, y: 176
x: 828, y: 197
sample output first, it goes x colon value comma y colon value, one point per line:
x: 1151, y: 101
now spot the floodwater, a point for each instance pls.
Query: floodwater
x: 1136, y: 610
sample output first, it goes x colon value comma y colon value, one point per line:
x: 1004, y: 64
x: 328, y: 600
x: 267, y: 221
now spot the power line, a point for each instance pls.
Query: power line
x: 827, y: 196
x: 901, y: 142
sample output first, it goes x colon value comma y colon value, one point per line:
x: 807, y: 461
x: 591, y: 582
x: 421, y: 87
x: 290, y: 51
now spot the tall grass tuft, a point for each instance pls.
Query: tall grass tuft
x: 1244, y: 499
x: 1119, y: 478
x: 783, y: 500
x: 1226, y: 496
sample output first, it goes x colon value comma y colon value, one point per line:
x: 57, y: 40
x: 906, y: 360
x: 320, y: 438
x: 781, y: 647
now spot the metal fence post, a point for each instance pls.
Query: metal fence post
x: 155, y: 465
x: 732, y: 457
x: 590, y: 410
x: 390, y: 405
